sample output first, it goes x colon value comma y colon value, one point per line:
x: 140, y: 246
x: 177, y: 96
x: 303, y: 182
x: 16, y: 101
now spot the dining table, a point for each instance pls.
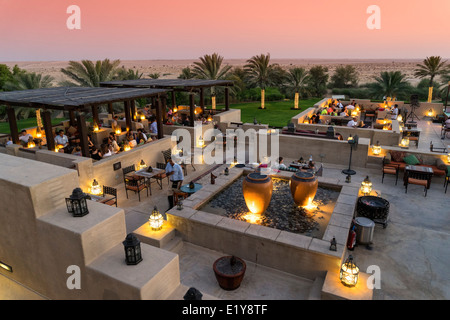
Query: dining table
x: 147, y: 175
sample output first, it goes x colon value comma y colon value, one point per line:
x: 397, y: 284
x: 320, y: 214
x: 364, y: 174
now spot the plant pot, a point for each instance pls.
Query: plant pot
x: 229, y: 272
x: 257, y: 191
x: 303, y: 187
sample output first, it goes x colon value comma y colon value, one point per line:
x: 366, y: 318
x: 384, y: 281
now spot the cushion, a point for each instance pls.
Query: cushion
x: 397, y: 155
x: 440, y: 164
x: 411, y: 160
x: 418, y: 182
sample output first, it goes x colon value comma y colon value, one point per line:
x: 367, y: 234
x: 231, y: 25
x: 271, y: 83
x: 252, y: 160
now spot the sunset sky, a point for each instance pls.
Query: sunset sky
x: 32, y: 30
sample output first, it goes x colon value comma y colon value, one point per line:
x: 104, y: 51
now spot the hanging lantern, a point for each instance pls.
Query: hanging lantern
x: 142, y: 165
x: 76, y: 203
x: 366, y: 186
x: 132, y: 247
x: 95, y: 188
x: 376, y: 149
x: 156, y: 220
x: 349, y: 273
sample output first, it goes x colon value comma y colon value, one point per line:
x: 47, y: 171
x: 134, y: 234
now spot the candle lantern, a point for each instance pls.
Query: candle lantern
x: 76, y: 203
x: 349, y: 273
x: 376, y: 149
x: 142, y: 165
x: 96, y: 189
x: 156, y: 220
x: 180, y: 205
x: 226, y: 172
x: 404, y: 144
x: 366, y: 186
x: 132, y: 247
x: 333, y: 244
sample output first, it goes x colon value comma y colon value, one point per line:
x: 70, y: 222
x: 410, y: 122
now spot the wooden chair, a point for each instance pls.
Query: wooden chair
x: 179, y: 195
x: 390, y: 168
x: 417, y: 179
x: 112, y: 192
x: 167, y: 154
x: 160, y: 177
x: 444, y: 131
x: 446, y: 179
x: 133, y: 183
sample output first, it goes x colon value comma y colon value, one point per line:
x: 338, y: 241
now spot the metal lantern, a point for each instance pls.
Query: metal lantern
x: 376, y: 149
x: 366, y: 186
x: 156, y: 220
x: 404, y: 144
x: 76, y: 203
x: 180, y: 205
x: 142, y: 165
x: 96, y: 189
x: 132, y: 247
x: 227, y: 172
x: 333, y: 244
x: 349, y: 273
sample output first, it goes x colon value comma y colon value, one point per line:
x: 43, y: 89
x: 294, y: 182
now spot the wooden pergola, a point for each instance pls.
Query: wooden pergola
x: 77, y: 101
x: 191, y: 86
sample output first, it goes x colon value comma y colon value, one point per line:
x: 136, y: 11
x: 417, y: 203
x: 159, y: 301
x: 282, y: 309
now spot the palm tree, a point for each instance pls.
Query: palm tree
x: 88, y: 74
x: 128, y: 74
x: 27, y: 81
x: 186, y: 73
x: 297, y: 80
x: 389, y: 84
x: 431, y: 67
x: 210, y: 68
x: 155, y: 75
x: 260, y: 73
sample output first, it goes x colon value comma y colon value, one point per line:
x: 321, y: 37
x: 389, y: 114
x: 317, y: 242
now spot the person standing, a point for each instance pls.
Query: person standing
x: 154, y: 128
x: 175, y: 172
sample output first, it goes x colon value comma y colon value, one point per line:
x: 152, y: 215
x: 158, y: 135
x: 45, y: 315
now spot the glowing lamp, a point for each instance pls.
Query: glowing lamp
x: 6, y: 267
x: 349, y: 273
x: 132, y: 246
x: 354, y: 113
x: 126, y: 146
x: 76, y: 203
x: 156, y: 220
x: 430, y: 113
x: 96, y: 127
x: 118, y: 130
x: 58, y: 146
x: 31, y: 144
x: 366, y: 186
x: 306, y: 120
x: 200, y: 142
x: 38, y: 133
x: 175, y: 110
x: 400, y: 118
x: 350, y: 138
x: 376, y: 149
x: 448, y: 158
x: 142, y: 117
x: 404, y: 143
x: 142, y: 165
x: 209, y: 119
x: 95, y: 188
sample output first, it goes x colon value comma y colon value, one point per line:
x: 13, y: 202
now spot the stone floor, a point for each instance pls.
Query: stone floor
x: 413, y: 252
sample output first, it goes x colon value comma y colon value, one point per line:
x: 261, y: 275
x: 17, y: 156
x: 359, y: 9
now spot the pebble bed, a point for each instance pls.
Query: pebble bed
x: 282, y: 213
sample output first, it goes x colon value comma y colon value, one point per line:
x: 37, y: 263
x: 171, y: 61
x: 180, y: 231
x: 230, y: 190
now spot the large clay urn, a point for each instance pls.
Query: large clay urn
x: 303, y: 187
x: 257, y: 190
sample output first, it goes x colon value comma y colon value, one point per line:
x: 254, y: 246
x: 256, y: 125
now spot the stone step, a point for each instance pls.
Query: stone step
x: 174, y: 245
x: 315, y: 293
x: 159, y: 238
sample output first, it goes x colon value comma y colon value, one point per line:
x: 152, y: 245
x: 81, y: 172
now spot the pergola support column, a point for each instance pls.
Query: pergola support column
x: 133, y: 109
x: 13, y: 125
x: 128, y: 115
x: 95, y: 115
x: 174, y: 101
x: 159, y: 123
x: 83, y: 135
x: 227, y: 98
x: 47, y: 122
x: 191, y: 109
x: 110, y: 108
x: 72, y: 119
x: 164, y: 108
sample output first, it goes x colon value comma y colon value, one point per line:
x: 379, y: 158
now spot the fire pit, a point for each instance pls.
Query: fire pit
x: 374, y: 208
x: 229, y: 271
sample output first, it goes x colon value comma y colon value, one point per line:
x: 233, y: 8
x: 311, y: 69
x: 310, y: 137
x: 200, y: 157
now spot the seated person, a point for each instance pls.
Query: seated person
x: 140, y: 138
x: 96, y: 154
x: 324, y: 111
x: 113, y: 143
x: 77, y: 151
x: 114, y: 123
x: 280, y: 165
x: 344, y: 113
x: 24, y: 137
x: 362, y: 125
x: 105, y: 150
x: 90, y: 143
x: 62, y: 140
x: 131, y: 139
x: 351, y: 106
x: 352, y: 123
x: 73, y: 135
x: 9, y: 141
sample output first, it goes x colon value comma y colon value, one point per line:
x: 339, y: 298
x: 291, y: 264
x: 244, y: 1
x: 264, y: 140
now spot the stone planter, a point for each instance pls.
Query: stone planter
x: 229, y: 272
x: 257, y: 191
x: 303, y: 187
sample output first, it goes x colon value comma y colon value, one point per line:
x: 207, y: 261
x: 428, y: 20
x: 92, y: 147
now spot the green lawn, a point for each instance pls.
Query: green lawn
x: 23, y: 124
x: 275, y: 114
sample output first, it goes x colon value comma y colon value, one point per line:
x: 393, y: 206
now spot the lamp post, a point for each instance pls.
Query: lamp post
x: 353, y: 142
